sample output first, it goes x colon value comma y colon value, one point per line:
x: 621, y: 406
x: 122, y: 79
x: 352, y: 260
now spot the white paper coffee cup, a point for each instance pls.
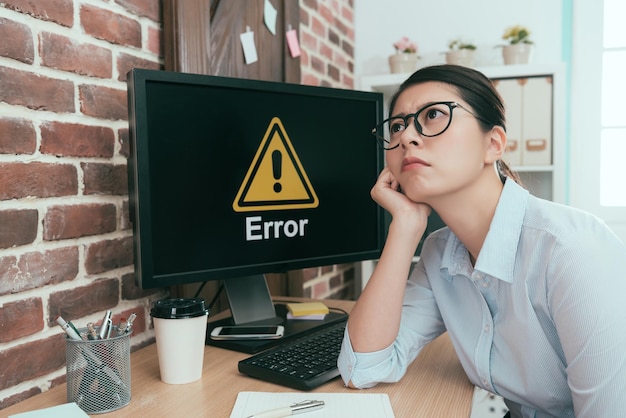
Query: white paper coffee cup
x: 180, y: 328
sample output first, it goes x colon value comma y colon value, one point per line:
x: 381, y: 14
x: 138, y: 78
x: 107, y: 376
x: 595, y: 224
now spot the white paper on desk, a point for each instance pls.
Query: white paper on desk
x: 67, y: 410
x: 338, y: 405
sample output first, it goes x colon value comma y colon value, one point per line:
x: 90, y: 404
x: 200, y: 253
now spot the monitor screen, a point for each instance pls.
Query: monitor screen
x: 233, y: 177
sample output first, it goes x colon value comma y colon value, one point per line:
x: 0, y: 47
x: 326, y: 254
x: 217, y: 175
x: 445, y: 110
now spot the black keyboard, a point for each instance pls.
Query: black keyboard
x: 304, y: 363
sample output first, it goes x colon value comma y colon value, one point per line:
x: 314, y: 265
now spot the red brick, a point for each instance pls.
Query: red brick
x: 308, y: 41
x: 336, y: 280
x: 20, y: 180
x: 130, y: 290
x: 64, y: 222
x: 108, y: 255
x: 154, y: 41
x: 347, y: 13
x: 125, y: 223
x: 342, y: 27
x: 326, y: 51
x: 17, y: 41
x: 310, y: 273
x: 103, y: 102
x: 58, y: 11
x: 18, y: 88
x: 115, y: 28
x: 19, y: 397
x: 147, y: 8
x: 17, y: 136
x: 72, y: 139
x: 21, y: 318
x: 310, y: 79
x: 326, y: 12
x: 67, y: 54
x: 81, y: 301
x: 348, y: 81
x: 35, y: 269
x: 126, y: 62
x: 105, y: 179
x: 333, y: 72
x: 348, y: 48
x: 18, y: 227
x: 333, y: 37
x: 34, y: 359
x: 318, y: 28
x: 320, y: 289
x: 318, y: 65
x: 124, y: 140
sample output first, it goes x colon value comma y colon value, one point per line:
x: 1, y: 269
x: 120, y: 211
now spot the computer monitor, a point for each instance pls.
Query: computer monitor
x: 231, y: 179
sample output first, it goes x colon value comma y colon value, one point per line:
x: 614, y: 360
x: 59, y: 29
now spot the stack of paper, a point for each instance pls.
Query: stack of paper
x: 308, y: 310
x: 336, y: 405
x: 68, y: 410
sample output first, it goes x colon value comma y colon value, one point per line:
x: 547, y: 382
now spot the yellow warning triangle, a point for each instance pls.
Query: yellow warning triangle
x: 276, y: 179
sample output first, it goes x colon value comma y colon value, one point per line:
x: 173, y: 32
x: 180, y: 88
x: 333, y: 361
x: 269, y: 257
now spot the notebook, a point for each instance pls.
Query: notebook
x: 337, y: 405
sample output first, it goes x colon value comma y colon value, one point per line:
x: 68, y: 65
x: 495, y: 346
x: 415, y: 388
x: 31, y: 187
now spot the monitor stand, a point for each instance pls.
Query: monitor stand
x: 250, y: 301
x: 251, y: 304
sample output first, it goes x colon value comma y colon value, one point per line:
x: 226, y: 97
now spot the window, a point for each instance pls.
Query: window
x: 613, y: 122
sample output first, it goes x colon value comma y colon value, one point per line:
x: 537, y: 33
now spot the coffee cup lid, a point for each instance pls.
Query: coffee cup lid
x: 178, y: 308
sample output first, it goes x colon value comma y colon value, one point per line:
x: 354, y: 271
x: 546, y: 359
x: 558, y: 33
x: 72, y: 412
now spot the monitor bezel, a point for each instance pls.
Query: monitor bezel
x: 140, y: 185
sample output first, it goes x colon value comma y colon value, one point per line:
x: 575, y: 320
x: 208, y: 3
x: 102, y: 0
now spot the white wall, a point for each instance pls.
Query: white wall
x: 432, y: 24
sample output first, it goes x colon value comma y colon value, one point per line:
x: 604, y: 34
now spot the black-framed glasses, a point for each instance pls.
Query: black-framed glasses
x: 431, y: 120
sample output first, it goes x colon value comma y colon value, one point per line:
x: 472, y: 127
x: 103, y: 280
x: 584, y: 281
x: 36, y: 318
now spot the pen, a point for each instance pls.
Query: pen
x: 296, y: 408
x: 105, y: 328
x: 131, y: 319
x: 91, y: 331
x: 69, y: 330
x: 74, y: 328
x: 127, y: 325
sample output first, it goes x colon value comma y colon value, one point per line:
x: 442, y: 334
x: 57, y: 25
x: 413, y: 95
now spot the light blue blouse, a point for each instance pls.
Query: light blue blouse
x: 540, y: 320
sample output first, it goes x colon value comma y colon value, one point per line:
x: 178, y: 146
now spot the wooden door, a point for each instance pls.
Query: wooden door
x: 203, y: 37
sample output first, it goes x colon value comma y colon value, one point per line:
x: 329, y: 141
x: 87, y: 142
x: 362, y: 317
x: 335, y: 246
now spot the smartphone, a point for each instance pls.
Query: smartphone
x: 243, y: 332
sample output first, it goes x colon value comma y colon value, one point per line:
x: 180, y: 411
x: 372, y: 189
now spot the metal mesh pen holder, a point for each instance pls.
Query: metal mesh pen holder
x: 98, y: 373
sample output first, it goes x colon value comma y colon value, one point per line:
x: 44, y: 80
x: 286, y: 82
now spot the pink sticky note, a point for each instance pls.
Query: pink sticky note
x: 292, y: 42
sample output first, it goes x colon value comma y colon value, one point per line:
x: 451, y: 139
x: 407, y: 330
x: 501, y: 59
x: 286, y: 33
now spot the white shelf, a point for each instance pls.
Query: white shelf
x: 388, y: 83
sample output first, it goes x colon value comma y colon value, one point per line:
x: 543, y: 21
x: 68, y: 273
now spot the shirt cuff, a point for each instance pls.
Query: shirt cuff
x: 360, y: 368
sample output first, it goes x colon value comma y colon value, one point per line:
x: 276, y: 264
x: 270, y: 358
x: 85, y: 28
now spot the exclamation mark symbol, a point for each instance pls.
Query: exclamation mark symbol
x: 277, y: 168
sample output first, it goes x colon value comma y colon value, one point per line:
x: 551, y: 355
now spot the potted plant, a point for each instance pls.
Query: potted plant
x: 460, y: 53
x: 519, y: 48
x: 405, y: 58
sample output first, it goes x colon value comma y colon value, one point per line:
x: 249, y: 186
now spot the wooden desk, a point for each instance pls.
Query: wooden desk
x: 434, y: 386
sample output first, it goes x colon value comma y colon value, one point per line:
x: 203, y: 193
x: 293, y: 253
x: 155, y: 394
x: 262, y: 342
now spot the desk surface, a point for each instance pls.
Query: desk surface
x: 435, y: 385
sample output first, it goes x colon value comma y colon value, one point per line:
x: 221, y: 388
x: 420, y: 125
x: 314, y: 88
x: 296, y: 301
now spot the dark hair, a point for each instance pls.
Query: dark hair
x: 475, y: 89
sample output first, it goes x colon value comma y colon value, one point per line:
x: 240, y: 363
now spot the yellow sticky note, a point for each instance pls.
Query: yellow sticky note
x: 307, y: 308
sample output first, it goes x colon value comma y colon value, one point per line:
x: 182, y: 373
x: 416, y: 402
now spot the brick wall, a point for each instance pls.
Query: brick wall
x: 65, y: 237
x: 327, y: 40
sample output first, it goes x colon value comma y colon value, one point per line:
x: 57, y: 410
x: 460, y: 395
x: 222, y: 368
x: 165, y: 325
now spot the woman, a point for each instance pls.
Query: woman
x: 532, y: 293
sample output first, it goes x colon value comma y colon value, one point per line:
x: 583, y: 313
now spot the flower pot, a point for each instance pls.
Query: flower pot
x: 463, y: 57
x: 517, y: 54
x: 403, y: 62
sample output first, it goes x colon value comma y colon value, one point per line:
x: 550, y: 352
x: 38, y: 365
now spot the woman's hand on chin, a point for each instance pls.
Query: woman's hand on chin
x: 387, y: 193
